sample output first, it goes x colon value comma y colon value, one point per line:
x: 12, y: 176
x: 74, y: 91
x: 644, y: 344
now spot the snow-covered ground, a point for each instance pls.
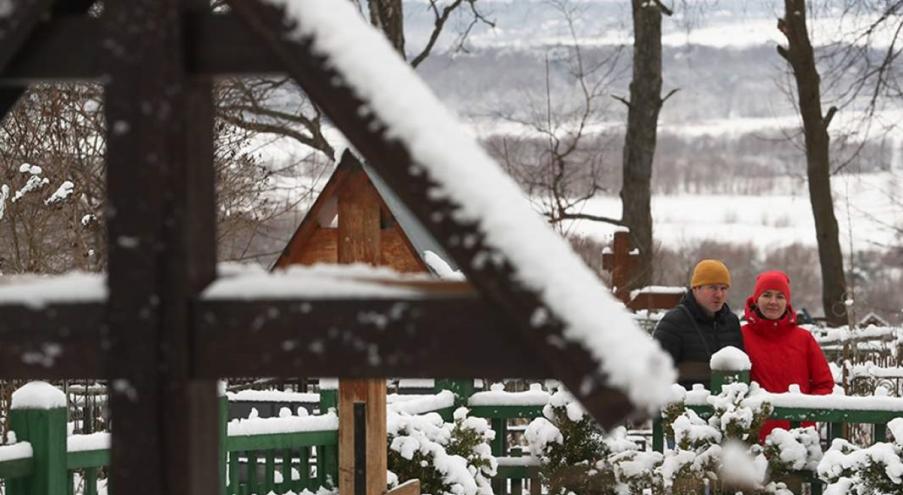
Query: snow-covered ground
x: 871, y: 203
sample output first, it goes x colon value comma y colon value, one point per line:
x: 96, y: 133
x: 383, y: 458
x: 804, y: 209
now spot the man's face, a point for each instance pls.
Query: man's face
x: 711, y: 297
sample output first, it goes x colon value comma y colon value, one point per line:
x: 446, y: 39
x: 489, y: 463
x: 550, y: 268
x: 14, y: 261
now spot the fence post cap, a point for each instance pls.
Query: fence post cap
x: 730, y: 359
x: 38, y: 395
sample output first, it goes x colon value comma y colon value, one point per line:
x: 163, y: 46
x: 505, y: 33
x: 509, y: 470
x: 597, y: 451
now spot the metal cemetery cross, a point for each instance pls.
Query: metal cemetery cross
x: 160, y: 345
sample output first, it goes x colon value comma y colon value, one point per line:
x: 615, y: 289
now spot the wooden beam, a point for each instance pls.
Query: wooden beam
x: 159, y: 186
x: 359, y: 210
x: 397, y: 253
x: 359, y: 215
x: 48, y: 53
x: 570, y: 362
x: 53, y: 342
x: 358, y: 338
x: 218, y: 45
x: 14, y: 29
x: 17, y: 25
x: 8, y: 99
x: 322, y: 247
x: 294, y: 250
x: 410, y: 487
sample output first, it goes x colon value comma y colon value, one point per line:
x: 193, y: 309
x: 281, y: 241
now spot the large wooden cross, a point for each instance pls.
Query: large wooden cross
x: 621, y: 260
x: 162, y: 346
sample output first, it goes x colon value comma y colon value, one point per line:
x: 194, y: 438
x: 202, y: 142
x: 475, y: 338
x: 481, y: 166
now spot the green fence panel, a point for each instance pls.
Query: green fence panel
x: 45, y: 429
x: 16, y: 468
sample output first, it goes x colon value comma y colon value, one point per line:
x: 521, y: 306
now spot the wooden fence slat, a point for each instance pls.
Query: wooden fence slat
x: 269, y: 472
x: 286, y: 484
x: 234, y: 472
x: 253, y: 484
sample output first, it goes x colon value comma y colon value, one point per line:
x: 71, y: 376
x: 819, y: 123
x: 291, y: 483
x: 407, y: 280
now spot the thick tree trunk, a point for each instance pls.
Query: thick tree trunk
x: 388, y: 16
x: 800, y: 55
x: 642, y: 123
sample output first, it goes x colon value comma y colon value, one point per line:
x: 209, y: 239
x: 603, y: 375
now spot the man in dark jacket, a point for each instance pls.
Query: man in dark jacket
x: 700, y: 325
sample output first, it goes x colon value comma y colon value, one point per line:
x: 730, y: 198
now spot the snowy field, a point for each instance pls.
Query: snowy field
x: 872, y: 201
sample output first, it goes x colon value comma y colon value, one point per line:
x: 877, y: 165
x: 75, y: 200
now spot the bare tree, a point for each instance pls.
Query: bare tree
x: 52, y: 148
x: 280, y: 107
x: 560, y: 161
x: 642, y: 123
x: 799, y: 54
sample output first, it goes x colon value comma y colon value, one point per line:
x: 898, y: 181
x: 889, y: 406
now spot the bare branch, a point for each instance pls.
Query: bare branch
x: 830, y: 116
x: 669, y: 95
x: 622, y: 100
x: 665, y: 10
x: 438, y: 24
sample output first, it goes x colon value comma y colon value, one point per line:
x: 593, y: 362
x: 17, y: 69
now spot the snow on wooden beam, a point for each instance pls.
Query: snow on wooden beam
x: 557, y: 306
x: 219, y: 46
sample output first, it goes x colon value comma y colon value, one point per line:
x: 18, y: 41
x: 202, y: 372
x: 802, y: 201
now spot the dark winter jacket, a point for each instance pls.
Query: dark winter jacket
x: 783, y: 354
x: 683, y: 340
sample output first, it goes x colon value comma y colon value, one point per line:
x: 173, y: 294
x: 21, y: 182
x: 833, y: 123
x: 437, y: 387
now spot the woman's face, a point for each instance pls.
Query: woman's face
x: 772, y: 304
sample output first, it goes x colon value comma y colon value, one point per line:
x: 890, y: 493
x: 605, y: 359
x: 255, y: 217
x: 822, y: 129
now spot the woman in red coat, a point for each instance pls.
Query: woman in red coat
x: 782, y: 353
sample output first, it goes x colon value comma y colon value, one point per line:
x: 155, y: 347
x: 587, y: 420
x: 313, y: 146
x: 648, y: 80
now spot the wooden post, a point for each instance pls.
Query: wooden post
x: 359, y: 242
x: 620, y: 262
x: 45, y: 429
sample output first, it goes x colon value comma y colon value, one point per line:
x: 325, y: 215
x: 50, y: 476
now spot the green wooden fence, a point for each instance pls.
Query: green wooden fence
x: 256, y: 463
x: 837, y: 419
x: 282, y: 462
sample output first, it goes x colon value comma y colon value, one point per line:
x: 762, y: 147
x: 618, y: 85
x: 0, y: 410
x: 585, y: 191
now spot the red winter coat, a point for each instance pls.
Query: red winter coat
x: 783, y: 354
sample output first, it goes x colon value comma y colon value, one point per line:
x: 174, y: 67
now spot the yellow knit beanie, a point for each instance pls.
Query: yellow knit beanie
x: 710, y: 272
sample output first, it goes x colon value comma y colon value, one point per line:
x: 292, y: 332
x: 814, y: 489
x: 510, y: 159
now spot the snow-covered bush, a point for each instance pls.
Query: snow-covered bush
x: 571, y: 449
x: 447, y: 458
x: 877, y: 469
x: 739, y: 414
x: 794, y: 450
x: 715, y: 452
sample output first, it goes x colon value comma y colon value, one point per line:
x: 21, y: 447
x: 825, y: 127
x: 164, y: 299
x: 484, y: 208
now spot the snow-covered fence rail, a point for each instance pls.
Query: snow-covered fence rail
x: 290, y: 453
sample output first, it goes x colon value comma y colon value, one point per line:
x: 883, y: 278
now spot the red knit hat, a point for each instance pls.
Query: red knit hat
x: 772, y: 280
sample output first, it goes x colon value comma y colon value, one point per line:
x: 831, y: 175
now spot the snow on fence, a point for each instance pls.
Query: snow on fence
x: 297, y: 451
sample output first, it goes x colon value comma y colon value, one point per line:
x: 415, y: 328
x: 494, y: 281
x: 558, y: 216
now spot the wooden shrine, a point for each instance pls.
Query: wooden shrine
x: 351, y: 221
x: 159, y: 342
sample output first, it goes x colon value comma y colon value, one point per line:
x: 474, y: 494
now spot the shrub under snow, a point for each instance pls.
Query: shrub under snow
x: 447, y: 458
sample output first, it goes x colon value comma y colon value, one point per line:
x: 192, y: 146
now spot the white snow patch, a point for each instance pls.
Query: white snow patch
x: 62, y: 193
x: 441, y: 267
x: 20, y: 450
x: 38, y: 395
x: 425, y: 404
x: 315, y: 282
x: 90, y: 441
x: 272, y: 395
x: 37, y: 291
x: 33, y: 184
x: 730, y: 359
x: 286, y: 424
x: 533, y: 397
